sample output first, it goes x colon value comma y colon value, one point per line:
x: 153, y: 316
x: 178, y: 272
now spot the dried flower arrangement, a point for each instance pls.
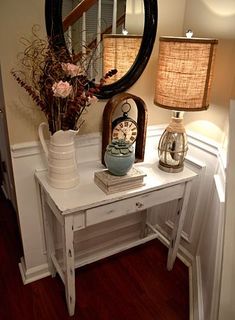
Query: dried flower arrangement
x: 59, y: 87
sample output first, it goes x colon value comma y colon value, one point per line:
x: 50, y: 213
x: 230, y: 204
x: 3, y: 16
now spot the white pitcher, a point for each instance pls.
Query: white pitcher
x: 60, y: 153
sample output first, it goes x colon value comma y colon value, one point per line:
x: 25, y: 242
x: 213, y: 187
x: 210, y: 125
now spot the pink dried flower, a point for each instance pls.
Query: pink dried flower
x: 71, y: 69
x: 62, y: 89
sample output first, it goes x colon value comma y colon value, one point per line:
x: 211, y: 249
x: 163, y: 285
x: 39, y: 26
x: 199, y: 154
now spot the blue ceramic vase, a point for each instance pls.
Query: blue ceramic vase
x: 119, y: 157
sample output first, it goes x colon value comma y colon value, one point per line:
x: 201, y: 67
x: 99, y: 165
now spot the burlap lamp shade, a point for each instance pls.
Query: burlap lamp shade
x: 119, y: 52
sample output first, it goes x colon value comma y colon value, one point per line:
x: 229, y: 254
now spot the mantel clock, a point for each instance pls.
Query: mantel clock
x: 125, y: 127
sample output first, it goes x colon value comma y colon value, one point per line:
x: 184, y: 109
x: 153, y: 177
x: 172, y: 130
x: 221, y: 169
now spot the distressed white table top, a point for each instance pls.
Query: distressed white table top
x: 87, y: 194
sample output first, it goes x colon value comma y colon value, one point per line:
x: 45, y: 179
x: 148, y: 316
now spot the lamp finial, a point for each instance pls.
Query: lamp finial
x: 189, y: 34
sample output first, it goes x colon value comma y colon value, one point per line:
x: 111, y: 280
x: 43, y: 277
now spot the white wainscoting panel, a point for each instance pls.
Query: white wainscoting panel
x: 26, y: 158
x: 202, y: 158
x: 209, y: 254
x: 202, y: 236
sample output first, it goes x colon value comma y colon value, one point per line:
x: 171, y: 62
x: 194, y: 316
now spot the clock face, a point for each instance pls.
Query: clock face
x: 126, y: 130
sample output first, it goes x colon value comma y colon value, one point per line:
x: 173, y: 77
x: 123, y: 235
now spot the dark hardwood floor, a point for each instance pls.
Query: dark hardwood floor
x: 133, y: 285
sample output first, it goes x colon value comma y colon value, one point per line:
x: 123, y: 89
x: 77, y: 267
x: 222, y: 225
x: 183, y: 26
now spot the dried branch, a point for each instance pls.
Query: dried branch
x: 60, y: 88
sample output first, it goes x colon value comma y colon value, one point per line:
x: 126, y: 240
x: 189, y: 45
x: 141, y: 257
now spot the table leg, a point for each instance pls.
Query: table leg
x: 178, y: 226
x: 144, y: 228
x: 49, y: 233
x: 69, y: 271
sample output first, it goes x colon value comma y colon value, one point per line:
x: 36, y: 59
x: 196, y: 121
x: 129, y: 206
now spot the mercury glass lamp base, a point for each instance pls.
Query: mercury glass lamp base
x: 169, y: 169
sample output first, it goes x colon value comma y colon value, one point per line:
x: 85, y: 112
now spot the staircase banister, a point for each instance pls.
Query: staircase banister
x: 77, y: 12
x: 93, y: 43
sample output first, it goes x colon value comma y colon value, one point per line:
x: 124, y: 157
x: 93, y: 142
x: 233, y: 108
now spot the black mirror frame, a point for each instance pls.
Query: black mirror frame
x: 54, y: 27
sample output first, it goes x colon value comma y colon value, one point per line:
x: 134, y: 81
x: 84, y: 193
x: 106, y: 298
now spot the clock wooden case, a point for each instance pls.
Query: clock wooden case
x: 142, y: 117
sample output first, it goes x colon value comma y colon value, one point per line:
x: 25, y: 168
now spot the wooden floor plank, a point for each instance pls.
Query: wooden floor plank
x: 132, y: 285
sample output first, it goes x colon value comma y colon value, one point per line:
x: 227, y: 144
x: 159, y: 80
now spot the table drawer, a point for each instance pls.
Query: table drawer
x: 133, y: 204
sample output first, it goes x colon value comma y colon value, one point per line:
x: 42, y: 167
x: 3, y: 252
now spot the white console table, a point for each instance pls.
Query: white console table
x: 87, y: 204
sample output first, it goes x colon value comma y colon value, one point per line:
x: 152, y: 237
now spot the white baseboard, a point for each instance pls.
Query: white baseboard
x: 185, y: 256
x: 197, y: 297
x: 33, y: 274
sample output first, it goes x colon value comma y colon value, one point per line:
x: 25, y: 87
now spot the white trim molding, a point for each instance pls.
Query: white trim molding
x: 33, y: 274
x: 208, y: 267
x: 202, y: 142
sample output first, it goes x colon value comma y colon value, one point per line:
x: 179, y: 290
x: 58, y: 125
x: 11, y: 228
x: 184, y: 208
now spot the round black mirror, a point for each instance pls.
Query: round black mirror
x: 54, y: 27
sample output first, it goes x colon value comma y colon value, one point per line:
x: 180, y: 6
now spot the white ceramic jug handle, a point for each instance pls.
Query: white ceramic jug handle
x: 41, y: 137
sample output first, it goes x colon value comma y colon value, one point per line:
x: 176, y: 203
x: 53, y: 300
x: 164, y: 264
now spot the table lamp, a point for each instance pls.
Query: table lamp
x: 183, y: 83
x: 119, y: 52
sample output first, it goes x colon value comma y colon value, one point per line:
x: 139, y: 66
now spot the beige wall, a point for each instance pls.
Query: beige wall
x: 16, y: 20
x: 23, y: 116
x: 210, y: 18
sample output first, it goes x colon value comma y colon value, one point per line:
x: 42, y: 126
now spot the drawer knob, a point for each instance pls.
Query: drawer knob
x: 139, y: 205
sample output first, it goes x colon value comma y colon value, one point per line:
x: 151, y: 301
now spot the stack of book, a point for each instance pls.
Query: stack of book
x: 110, y: 183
